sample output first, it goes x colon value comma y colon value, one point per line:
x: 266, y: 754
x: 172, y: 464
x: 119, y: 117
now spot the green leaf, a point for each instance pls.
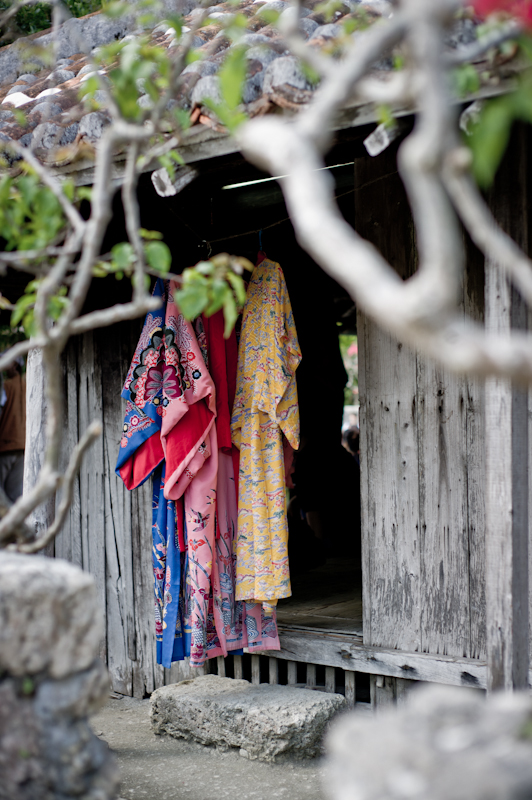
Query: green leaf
x: 489, y: 139
x: 20, y: 116
x: 175, y: 21
x: 238, y: 287
x: 385, y: 116
x: 193, y: 299
x: 192, y: 56
x: 183, y: 118
x: 310, y: 74
x: 158, y: 256
x: 145, y: 234
x: 232, y: 76
x: 219, y: 292
x: 231, y: 119
x: 328, y: 8
x: 230, y: 314
x: 69, y: 189
x: 21, y: 307
x: 204, y: 268
x: 465, y: 80
x: 84, y: 193
x: 123, y: 255
x: 268, y: 15
x: 115, y: 9
x: 177, y: 157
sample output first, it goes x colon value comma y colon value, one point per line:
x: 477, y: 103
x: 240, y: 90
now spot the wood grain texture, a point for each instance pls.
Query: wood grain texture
x: 273, y: 671
x: 476, y: 466
x: 108, y: 531
x: 118, y: 529
x: 291, y: 672
x: 350, y: 687
x: 91, y: 475
x: 389, y: 457
x: 507, y: 590
x: 255, y: 669
x: 43, y: 515
x: 382, y: 692
x: 68, y: 541
x: 350, y: 653
x: 443, y: 510
x: 330, y: 680
x: 238, y: 671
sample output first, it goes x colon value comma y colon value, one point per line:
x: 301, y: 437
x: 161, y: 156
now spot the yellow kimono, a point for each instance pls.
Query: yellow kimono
x: 265, y: 408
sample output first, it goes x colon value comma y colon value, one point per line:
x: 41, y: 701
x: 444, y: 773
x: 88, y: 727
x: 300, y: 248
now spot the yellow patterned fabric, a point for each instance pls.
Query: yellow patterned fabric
x: 265, y: 408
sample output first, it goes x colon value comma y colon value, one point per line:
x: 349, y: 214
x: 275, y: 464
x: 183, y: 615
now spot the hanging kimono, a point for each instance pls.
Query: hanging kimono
x: 169, y: 417
x: 239, y: 624
x: 170, y: 432
x: 265, y: 410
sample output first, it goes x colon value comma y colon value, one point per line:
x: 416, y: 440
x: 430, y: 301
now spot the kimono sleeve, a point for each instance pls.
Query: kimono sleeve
x: 287, y: 411
x: 140, y: 445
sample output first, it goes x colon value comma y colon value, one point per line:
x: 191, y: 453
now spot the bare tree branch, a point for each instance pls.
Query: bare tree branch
x: 336, y: 89
x: 474, y: 52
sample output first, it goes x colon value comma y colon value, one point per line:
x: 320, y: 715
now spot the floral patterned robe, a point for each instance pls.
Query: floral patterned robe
x: 266, y: 408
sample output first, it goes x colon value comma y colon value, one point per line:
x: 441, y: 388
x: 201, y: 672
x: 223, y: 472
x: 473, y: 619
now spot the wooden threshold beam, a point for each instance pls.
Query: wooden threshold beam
x: 349, y: 653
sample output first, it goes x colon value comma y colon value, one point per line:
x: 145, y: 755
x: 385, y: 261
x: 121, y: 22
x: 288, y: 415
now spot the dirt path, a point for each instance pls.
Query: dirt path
x: 161, y: 768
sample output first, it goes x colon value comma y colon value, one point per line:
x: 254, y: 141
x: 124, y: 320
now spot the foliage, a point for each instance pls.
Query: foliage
x: 23, y: 312
x: 30, y: 215
x: 212, y: 285
x: 38, y: 17
x: 349, y: 351
x: 232, y: 76
x: 491, y: 132
x: 465, y: 80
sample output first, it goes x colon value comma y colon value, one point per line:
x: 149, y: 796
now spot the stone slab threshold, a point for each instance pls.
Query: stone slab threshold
x: 264, y: 722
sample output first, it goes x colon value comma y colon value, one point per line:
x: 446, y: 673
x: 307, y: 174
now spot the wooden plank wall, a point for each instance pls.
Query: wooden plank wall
x: 422, y: 460
x: 108, y: 531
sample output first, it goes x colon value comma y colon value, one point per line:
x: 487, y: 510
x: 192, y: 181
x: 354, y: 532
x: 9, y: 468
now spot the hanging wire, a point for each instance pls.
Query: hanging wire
x: 209, y: 242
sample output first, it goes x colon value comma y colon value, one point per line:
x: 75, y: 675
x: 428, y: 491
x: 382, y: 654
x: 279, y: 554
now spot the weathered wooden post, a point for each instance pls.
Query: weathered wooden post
x: 43, y: 516
x: 507, y: 451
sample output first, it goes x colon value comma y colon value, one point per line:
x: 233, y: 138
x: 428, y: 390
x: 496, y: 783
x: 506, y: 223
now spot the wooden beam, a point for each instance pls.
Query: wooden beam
x: 44, y: 514
x: 507, y: 593
x: 348, y: 652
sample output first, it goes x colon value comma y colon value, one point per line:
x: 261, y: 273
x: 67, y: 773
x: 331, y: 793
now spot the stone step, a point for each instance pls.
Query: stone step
x: 265, y: 722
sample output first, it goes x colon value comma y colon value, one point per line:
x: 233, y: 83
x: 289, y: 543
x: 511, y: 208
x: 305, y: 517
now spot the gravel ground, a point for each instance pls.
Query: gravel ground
x: 161, y: 768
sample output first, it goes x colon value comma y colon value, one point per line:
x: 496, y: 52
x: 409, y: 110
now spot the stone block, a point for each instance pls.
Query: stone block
x: 265, y: 722
x: 50, y: 619
x: 444, y: 744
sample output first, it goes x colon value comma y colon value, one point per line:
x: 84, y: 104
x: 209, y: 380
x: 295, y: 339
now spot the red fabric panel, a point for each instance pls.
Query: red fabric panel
x: 180, y: 523
x: 187, y: 435
x: 143, y: 461
x: 231, y: 362
x: 219, y: 370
